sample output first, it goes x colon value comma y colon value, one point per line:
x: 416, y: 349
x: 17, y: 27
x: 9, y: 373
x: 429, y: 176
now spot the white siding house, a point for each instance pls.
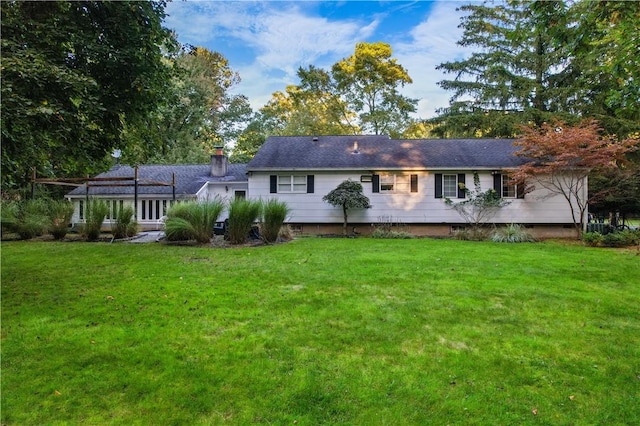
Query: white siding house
x: 406, y: 181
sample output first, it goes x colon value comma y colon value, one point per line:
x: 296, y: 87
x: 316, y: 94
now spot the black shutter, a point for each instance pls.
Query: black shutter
x: 375, y: 183
x: 310, y: 182
x: 520, y: 190
x: 438, y: 185
x: 414, y: 183
x: 497, y: 184
x: 273, y: 184
x: 461, y: 188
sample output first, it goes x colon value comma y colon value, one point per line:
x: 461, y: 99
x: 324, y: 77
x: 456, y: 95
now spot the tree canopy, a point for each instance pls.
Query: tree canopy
x: 358, y: 94
x: 535, y: 61
x: 347, y: 195
x: 72, y: 74
x: 561, y: 157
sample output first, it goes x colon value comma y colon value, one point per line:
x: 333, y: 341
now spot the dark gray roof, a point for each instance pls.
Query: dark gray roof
x: 189, y: 179
x: 381, y: 152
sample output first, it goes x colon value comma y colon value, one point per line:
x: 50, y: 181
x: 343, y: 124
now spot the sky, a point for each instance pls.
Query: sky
x: 267, y: 41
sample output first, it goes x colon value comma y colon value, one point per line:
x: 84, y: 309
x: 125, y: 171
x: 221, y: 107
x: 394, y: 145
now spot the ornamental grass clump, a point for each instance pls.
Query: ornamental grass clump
x: 95, y: 213
x: 274, y: 213
x: 28, y: 218
x: 512, y: 233
x: 192, y: 220
x: 243, y: 214
x: 60, y: 214
x: 125, y: 226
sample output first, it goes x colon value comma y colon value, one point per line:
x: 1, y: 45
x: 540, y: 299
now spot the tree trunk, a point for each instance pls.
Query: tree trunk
x: 344, y: 224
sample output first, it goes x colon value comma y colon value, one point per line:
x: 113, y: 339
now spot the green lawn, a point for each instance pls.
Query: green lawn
x: 320, y: 331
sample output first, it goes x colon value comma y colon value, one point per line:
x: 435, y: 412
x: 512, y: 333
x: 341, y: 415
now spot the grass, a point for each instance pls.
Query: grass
x: 320, y: 331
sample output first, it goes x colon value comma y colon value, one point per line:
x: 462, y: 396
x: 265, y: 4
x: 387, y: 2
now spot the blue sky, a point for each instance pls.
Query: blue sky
x: 267, y: 41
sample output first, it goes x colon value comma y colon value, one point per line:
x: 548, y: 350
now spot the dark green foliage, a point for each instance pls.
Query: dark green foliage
x: 621, y: 238
x: 538, y: 60
x: 274, y: 213
x: 125, y: 226
x: 60, y: 214
x: 26, y: 218
x: 592, y: 239
x: 243, y: 214
x: 95, y: 212
x: 348, y: 195
x: 193, y: 220
x: 512, y: 233
x: 72, y: 74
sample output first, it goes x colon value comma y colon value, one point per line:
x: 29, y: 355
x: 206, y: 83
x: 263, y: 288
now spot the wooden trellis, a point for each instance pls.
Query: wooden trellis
x: 121, y: 181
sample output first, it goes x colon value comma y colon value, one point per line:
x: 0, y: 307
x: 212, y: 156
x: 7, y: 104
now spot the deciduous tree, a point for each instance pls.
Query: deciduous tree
x: 347, y: 195
x: 560, y: 159
x: 72, y: 74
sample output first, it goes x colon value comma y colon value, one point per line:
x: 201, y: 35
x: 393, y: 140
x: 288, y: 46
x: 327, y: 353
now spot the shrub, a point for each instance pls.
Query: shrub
x: 473, y: 233
x: 60, y: 213
x: 592, y: 239
x: 95, y: 212
x: 192, y: 220
x: 388, y: 228
x: 621, y: 239
x: 274, y: 213
x: 384, y: 233
x: 512, y: 233
x: 9, y: 212
x: 125, y: 225
x: 242, y: 215
x: 28, y: 218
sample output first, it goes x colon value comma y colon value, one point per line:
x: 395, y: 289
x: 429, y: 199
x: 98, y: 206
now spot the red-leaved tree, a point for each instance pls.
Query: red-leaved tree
x: 560, y: 159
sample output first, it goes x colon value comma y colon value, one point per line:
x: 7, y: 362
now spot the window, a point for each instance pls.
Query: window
x: 450, y: 185
x: 391, y: 183
x: 503, y: 185
x: 81, y: 209
x: 509, y: 189
x: 240, y: 195
x: 398, y: 183
x: 296, y: 184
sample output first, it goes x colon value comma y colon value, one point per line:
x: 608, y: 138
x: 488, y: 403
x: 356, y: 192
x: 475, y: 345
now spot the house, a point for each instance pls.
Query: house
x: 159, y: 186
x: 407, y: 182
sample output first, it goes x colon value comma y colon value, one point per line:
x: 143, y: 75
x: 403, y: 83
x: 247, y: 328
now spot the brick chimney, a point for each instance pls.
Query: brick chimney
x: 219, y: 163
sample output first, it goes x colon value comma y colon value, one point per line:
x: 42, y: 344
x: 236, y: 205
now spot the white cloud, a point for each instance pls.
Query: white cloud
x: 279, y: 37
x: 432, y: 43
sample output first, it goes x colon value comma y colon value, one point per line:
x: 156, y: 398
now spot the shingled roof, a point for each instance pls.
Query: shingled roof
x: 381, y: 152
x: 189, y: 179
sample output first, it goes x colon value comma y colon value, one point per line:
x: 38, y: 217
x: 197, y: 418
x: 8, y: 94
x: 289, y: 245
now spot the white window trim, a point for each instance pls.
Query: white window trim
x: 444, y: 187
x: 292, y: 185
x: 392, y: 179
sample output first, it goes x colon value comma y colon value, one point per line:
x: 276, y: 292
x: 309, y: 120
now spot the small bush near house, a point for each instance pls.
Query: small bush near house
x: 512, y: 233
x: 274, y: 213
x: 243, y: 214
x: 125, y: 225
x: 592, y: 239
x: 621, y: 239
x: 193, y: 220
x: 472, y: 234
x: 397, y: 235
x: 95, y: 213
x: 388, y: 228
x: 60, y: 213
